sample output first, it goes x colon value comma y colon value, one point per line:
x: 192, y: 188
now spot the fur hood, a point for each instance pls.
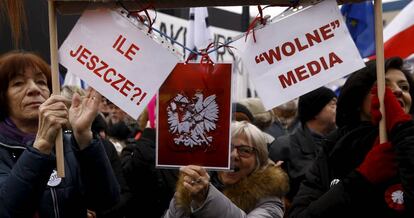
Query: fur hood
x: 268, y: 181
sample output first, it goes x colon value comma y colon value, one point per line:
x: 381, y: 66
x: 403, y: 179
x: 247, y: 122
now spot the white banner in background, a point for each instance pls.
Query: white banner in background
x: 299, y: 53
x: 122, y: 62
x: 177, y: 28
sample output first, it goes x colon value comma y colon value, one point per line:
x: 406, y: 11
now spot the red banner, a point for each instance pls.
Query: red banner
x: 194, y: 115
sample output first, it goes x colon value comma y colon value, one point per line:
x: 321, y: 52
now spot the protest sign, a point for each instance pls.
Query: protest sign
x: 299, y: 53
x: 118, y: 58
x: 194, y: 114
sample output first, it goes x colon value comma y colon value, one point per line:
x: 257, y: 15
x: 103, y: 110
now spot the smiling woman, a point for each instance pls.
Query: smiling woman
x: 253, y: 189
x: 29, y: 123
x: 355, y: 174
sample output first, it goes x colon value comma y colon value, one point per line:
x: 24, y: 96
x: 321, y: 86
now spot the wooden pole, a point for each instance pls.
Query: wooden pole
x: 379, y: 43
x: 60, y: 159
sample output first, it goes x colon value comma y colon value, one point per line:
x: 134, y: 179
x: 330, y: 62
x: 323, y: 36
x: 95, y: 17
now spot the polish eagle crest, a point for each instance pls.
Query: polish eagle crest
x: 191, y: 119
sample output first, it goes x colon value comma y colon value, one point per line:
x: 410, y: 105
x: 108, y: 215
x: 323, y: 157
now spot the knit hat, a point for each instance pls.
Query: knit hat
x: 313, y: 102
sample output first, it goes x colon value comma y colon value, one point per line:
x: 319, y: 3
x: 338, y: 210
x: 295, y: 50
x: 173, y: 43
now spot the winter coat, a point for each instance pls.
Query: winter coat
x: 123, y: 207
x: 333, y: 188
x: 152, y: 188
x: 277, y: 129
x: 258, y: 195
x: 298, y: 151
x: 27, y: 188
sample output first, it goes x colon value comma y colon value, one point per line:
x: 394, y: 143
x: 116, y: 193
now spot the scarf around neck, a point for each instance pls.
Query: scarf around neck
x: 9, y: 130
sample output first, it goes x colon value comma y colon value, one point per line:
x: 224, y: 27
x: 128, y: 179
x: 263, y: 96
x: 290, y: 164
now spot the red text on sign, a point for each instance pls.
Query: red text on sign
x: 120, y: 48
x: 309, y: 69
x: 296, y: 45
x: 108, y: 74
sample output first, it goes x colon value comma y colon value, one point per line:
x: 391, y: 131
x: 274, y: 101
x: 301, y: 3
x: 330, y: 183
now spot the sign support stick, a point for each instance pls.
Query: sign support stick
x: 379, y: 43
x: 60, y: 159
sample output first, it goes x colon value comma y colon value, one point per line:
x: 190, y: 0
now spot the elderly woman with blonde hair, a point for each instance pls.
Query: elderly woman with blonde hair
x: 254, y: 188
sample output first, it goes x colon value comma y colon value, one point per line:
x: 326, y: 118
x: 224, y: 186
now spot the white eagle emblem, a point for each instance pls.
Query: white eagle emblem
x: 191, y: 119
x: 398, y: 197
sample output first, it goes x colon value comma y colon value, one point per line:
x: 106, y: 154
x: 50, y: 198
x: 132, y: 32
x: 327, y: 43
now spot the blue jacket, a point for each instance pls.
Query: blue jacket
x: 27, y: 188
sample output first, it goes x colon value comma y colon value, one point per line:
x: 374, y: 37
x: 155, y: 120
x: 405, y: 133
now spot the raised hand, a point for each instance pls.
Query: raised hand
x: 394, y: 113
x: 379, y: 164
x: 81, y: 115
x: 53, y: 115
x: 196, y: 181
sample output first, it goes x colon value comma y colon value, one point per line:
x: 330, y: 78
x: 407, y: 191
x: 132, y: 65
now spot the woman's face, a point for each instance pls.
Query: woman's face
x: 25, y: 93
x: 244, y: 161
x: 397, y: 82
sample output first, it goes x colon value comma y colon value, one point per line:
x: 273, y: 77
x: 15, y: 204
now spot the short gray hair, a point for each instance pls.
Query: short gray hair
x: 255, y: 137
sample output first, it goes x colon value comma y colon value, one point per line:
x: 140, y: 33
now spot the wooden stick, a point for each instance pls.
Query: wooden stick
x: 60, y: 159
x: 379, y: 43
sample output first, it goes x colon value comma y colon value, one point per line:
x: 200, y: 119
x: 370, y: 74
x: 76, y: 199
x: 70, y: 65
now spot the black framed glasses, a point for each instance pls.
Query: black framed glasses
x: 244, y: 150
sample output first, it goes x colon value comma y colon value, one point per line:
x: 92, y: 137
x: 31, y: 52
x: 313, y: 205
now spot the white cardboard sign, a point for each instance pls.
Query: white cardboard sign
x: 118, y: 59
x: 299, y: 53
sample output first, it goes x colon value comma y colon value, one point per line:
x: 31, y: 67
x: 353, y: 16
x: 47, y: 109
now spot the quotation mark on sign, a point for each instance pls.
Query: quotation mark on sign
x: 335, y: 24
x: 259, y: 58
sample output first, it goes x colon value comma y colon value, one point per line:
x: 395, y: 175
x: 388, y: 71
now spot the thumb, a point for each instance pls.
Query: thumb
x: 76, y: 100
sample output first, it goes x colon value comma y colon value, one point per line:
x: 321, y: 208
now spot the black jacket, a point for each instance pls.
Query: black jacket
x: 24, y: 174
x: 298, y: 151
x: 123, y: 207
x: 320, y: 195
x: 152, y: 188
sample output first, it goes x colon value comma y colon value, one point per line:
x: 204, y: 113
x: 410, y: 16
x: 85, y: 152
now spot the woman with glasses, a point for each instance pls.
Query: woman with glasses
x: 253, y: 189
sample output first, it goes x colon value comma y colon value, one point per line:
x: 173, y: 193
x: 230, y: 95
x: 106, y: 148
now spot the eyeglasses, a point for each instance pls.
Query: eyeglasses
x: 244, y: 150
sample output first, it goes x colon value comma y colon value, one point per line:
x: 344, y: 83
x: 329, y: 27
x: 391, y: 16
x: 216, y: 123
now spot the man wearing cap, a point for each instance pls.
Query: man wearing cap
x: 317, y: 112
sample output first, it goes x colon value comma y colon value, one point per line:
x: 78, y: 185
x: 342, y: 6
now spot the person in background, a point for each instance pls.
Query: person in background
x: 104, y: 107
x: 30, y: 120
x: 152, y: 188
x: 356, y: 175
x: 317, y: 111
x: 99, y: 127
x: 240, y: 113
x: 69, y: 91
x: 124, y: 207
x: 285, y: 119
x: 253, y: 189
x: 118, y: 130
x: 261, y: 118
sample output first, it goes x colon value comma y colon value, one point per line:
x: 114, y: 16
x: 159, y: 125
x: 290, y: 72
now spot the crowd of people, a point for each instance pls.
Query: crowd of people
x: 315, y: 156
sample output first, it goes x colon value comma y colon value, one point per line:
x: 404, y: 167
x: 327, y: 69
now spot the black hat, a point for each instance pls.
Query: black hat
x: 239, y: 108
x: 310, y: 104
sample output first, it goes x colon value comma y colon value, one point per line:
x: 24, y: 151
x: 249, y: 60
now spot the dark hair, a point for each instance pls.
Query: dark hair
x: 358, y: 86
x: 14, y: 63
